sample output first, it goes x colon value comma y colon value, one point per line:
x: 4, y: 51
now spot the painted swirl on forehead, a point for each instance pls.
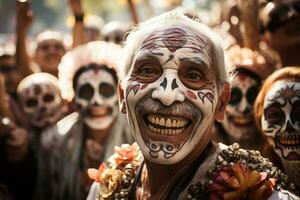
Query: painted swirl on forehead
x: 174, y: 39
x: 286, y: 94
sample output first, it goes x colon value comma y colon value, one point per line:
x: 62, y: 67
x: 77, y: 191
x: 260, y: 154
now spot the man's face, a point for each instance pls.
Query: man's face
x: 48, y: 55
x: 171, y: 94
x: 97, y: 98
x: 281, y: 118
x: 239, y: 119
x: 283, y: 23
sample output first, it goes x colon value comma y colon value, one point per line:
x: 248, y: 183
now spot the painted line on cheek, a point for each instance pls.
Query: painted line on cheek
x: 191, y: 95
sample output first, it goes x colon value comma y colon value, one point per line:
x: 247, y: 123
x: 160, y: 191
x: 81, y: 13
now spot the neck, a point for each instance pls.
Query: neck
x: 289, y: 56
x: 98, y: 135
x: 162, y: 178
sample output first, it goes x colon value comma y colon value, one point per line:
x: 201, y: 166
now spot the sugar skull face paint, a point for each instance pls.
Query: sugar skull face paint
x: 281, y: 123
x: 97, y: 98
x: 239, y: 119
x: 40, y: 99
x: 281, y: 119
x: 171, y: 94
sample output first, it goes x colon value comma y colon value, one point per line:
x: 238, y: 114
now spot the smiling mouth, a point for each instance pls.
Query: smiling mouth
x: 241, y: 121
x: 166, y: 125
x: 290, y: 141
x: 99, y: 111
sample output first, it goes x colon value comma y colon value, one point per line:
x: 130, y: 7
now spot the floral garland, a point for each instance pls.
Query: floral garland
x: 116, y: 179
x: 239, y: 174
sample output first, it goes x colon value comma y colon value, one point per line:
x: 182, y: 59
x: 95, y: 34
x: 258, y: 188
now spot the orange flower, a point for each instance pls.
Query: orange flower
x: 95, y: 174
x: 125, y: 154
x: 239, y: 182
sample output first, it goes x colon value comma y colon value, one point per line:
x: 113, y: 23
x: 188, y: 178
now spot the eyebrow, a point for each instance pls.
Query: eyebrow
x: 149, y: 55
x: 196, y: 60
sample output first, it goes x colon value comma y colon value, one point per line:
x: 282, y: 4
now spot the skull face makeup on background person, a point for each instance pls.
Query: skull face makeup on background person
x: 88, y: 75
x: 278, y: 107
x: 96, y: 95
x: 40, y: 98
x: 239, y: 119
x: 248, y: 68
x: 170, y: 92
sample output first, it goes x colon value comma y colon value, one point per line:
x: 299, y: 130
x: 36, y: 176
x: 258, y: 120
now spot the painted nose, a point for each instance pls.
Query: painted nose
x: 167, y: 92
x: 289, y: 128
x: 243, y: 106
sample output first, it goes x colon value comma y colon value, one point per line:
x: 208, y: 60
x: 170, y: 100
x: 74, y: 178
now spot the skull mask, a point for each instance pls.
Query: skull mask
x: 96, y: 96
x: 281, y: 124
x: 239, y: 119
x: 40, y: 98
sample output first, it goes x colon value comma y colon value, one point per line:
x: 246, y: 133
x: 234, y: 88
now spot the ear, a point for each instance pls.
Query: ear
x: 223, y: 101
x: 121, y: 98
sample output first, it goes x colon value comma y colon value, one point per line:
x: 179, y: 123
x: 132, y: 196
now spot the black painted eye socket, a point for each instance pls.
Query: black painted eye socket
x: 295, y: 113
x: 106, y: 89
x: 236, y: 96
x: 252, y: 94
x: 86, y: 91
x: 31, y: 102
x: 274, y: 115
x: 48, y: 97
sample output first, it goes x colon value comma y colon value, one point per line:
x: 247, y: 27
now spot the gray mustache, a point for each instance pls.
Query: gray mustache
x: 177, y: 109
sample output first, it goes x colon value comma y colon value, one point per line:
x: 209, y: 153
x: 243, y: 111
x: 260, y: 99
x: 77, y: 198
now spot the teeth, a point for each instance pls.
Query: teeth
x: 168, y: 123
x: 165, y: 131
x: 162, y: 122
x: 156, y: 121
x: 174, y: 123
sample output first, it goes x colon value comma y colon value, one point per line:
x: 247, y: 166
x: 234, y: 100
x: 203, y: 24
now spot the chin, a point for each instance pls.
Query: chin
x: 99, y: 123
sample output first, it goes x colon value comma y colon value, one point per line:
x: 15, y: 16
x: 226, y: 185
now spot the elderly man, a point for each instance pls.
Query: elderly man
x: 173, y: 87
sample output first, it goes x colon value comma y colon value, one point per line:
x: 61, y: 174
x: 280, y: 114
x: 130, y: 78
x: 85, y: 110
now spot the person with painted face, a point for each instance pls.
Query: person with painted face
x: 41, y: 101
x: 88, y: 76
x: 277, y: 115
x: 173, y: 87
x: 281, y: 23
x: 248, y: 69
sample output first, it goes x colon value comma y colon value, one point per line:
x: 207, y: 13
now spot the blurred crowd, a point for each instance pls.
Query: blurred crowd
x: 59, y: 112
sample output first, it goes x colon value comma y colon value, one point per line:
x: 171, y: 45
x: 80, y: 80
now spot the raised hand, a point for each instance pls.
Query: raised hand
x: 24, y: 14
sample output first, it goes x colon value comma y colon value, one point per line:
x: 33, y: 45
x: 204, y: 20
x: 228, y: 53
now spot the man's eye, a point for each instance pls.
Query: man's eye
x: 146, y: 70
x: 194, y: 76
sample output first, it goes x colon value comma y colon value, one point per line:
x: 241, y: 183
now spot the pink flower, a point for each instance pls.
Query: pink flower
x: 95, y: 174
x: 239, y: 182
x: 125, y: 154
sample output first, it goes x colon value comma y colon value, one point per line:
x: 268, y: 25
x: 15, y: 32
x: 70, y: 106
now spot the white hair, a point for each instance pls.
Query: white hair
x: 37, y: 79
x: 97, y: 52
x: 137, y: 36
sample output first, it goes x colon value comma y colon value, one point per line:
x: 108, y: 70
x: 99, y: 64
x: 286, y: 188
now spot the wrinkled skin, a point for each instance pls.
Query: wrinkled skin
x: 170, y: 94
x: 281, y: 124
x: 239, y: 119
x: 97, y: 98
